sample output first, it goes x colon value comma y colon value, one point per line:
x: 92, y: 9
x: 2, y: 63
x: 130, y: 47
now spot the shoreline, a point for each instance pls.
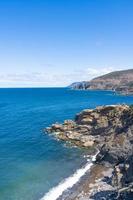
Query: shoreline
x: 110, y: 130
x: 93, y: 183
x: 56, y: 192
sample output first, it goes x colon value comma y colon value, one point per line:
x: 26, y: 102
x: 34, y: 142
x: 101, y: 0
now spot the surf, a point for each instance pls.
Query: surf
x: 69, y: 182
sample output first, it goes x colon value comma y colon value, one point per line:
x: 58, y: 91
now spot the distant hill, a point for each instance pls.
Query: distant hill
x: 119, y: 81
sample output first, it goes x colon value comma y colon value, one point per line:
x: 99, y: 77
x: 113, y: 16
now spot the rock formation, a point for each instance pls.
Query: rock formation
x: 110, y: 129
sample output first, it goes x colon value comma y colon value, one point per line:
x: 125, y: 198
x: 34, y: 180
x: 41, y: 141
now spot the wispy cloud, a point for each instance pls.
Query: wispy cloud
x: 93, y: 72
x: 38, y: 79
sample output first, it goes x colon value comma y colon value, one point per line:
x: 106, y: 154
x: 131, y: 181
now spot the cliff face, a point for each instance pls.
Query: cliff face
x: 110, y: 129
x: 120, y: 81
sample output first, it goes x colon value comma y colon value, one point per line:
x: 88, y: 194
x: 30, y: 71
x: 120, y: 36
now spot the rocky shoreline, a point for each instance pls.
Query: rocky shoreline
x: 110, y: 130
x: 95, y: 184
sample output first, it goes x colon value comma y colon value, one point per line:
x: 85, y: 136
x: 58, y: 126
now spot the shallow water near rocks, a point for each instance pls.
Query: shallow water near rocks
x: 31, y: 162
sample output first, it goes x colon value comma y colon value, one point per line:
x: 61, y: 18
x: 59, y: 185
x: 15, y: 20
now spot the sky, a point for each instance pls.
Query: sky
x: 52, y: 43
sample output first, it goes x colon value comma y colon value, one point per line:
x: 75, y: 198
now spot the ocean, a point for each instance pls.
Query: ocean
x: 33, y: 164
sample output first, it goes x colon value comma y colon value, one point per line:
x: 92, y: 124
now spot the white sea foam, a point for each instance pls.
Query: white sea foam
x: 57, y: 191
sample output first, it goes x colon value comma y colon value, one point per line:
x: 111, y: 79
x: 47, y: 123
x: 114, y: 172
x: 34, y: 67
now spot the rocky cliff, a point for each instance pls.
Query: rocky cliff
x: 119, y: 81
x: 109, y: 129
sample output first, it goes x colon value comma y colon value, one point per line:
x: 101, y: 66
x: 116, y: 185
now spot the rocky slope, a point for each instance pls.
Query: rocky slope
x: 119, y: 81
x: 109, y: 129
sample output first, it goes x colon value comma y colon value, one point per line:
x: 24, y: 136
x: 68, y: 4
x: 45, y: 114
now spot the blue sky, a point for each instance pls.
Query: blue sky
x: 56, y: 42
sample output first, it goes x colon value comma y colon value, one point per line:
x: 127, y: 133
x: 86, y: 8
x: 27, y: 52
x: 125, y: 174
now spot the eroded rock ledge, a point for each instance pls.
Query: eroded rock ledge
x: 110, y: 129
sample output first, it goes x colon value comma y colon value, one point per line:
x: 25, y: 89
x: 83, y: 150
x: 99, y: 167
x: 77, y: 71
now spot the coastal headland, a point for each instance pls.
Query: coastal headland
x: 108, y: 129
x: 118, y: 81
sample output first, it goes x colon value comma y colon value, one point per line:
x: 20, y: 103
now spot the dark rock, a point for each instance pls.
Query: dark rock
x: 110, y: 129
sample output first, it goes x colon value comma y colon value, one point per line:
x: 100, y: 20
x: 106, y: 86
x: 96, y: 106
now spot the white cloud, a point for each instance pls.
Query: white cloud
x: 93, y: 72
x: 50, y: 79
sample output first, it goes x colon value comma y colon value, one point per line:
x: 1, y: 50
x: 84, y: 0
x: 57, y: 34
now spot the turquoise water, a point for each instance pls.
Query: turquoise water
x: 31, y: 163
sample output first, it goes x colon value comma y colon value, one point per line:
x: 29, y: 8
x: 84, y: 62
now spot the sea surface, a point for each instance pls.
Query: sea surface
x: 33, y: 164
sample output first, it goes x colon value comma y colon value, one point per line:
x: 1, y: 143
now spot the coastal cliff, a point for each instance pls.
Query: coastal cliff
x: 110, y: 130
x: 119, y: 81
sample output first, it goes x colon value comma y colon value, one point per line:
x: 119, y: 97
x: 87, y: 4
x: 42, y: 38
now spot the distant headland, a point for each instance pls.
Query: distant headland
x: 118, y: 81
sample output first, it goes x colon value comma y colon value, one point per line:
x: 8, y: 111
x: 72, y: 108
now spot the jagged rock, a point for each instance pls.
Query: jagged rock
x: 88, y: 143
x: 73, y: 135
x: 106, y: 123
x: 57, y: 127
x: 123, y: 178
x: 110, y: 129
x: 87, y: 120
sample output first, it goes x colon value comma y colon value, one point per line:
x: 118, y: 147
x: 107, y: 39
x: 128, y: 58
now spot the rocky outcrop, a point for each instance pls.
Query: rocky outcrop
x: 119, y: 81
x: 110, y: 129
x: 123, y: 178
x: 98, y: 127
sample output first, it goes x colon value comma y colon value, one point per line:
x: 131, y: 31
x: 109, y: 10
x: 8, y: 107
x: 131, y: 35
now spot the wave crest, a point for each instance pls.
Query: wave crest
x: 57, y: 191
